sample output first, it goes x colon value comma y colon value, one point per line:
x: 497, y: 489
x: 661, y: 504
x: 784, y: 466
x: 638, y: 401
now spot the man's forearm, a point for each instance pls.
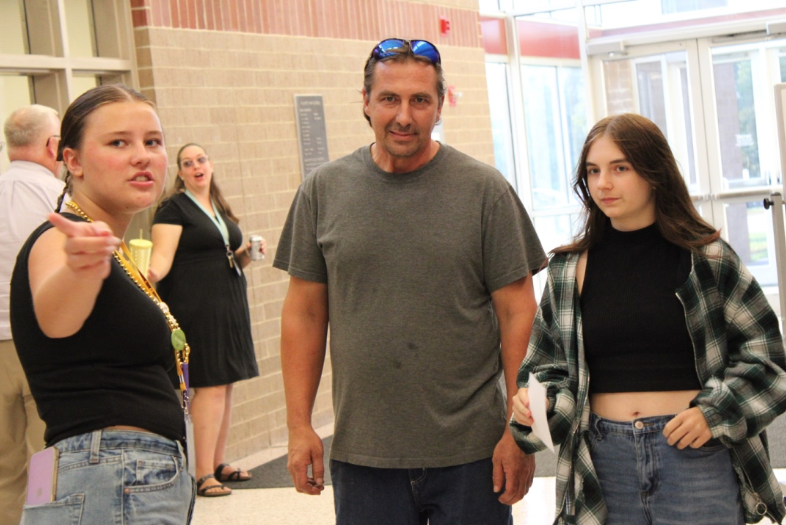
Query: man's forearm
x: 516, y: 308
x: 304, y: 323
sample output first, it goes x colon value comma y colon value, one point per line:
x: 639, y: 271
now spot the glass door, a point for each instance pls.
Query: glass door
x: 713, y: 101
x: 743, y: 155
x: 659, y: 82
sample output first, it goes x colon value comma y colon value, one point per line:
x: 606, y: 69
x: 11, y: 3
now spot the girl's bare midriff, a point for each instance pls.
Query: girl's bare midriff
x: 627, y: 406
x: 127, y: 427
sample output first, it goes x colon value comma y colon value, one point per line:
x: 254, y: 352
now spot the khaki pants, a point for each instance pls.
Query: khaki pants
x: 21, y: 434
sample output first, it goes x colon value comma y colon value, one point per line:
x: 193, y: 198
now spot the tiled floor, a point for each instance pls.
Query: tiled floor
x: 286, y: 507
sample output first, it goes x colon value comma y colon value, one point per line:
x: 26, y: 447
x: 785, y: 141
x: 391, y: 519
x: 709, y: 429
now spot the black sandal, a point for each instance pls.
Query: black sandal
x: 233, y: 476
x: 205, y: 492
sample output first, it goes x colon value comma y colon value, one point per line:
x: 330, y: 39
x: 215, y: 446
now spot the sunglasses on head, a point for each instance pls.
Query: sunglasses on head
x: 394, y: 46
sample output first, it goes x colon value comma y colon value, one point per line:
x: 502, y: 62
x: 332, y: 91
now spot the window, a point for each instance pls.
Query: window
x: 499, y: 107
x: 38, y: 29
x: 555, y: 120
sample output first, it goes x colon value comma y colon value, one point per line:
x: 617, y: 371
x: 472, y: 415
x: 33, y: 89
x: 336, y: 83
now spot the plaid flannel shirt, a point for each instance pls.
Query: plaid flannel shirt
x: 739, y: 358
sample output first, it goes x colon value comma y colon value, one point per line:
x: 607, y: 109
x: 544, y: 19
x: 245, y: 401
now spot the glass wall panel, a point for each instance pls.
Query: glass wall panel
x: 734, y: 97
x: 656, y: 87
x: 782, y: 62
x: 688, y: 152
x: 80, y: 27
x: 544, y: 137
x: 82, y: 83
x: 645, y: 12
x: 575, y: 124
x: 749, y: 231
x: 619, y: 86
x: 556, y: 230
x: 499, y: 106
x: 555, y: 120
x: 652, y: 98
x: 553, y: 231
x: 488, y: 6
x: 13, y: 35
x: 59, y: 30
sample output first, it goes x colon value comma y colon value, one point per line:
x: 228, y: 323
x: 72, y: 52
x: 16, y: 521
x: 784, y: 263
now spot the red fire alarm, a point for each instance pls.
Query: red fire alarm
x: 453, y: 96
x: 444, y: 25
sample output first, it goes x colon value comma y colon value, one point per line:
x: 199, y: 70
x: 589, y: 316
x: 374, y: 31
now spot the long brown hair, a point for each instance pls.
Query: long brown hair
x: 72, y: 128
x: 648, y: 151
x: 215, y: 191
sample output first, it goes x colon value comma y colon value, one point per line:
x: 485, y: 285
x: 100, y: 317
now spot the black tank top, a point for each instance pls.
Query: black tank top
x: 635, y: 335
x: 113, y: 371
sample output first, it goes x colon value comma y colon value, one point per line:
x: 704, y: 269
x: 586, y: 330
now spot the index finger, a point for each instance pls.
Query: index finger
x: 78, y: 229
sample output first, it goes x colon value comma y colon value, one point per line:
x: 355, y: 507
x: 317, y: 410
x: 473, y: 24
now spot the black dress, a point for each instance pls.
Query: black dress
x: 207, y: 297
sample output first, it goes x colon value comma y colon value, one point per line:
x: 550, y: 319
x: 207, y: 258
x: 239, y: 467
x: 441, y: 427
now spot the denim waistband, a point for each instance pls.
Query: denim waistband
x: 638, y: 427
x: 642, y: 425
x: 118, y: 439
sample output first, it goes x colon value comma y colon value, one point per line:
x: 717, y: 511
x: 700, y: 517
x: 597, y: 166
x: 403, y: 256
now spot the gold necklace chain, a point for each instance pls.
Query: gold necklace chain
x: 182, y: 349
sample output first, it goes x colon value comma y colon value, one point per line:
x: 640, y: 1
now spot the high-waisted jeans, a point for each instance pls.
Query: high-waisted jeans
x: 118, y: 478
x: 645, y: 481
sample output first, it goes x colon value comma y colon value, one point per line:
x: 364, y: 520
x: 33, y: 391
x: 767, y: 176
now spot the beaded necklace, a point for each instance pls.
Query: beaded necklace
x: 178, y: 337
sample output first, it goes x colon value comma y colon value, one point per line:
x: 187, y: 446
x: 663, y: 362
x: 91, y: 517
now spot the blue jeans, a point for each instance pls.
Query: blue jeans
x: 118, y: 478
x: 645, y: 481
x: 459, y: 495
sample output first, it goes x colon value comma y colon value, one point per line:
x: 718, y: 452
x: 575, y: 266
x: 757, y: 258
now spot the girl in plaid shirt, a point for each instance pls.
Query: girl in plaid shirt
x: 684, y: 352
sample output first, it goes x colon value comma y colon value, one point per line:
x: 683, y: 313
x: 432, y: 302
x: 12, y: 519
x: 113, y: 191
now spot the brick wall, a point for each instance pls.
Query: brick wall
x: 223, y: 74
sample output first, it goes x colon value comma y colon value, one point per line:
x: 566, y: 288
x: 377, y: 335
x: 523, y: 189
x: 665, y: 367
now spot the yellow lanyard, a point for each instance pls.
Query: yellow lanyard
x: 178, y: 337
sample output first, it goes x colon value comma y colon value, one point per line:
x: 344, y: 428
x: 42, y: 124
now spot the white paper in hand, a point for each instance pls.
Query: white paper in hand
x: 537, y: 405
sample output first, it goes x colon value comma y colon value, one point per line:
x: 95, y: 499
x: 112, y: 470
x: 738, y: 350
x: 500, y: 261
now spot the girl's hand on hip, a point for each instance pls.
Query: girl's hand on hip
x: 688, y: 428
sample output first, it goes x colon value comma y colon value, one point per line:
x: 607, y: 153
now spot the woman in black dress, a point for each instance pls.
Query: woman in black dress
x: 198, y: 259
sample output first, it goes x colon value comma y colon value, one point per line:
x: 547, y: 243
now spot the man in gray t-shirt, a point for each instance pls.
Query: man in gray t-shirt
x: 420, y: 259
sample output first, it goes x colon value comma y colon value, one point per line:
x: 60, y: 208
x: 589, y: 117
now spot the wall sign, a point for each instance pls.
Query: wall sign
x: 311, y: 132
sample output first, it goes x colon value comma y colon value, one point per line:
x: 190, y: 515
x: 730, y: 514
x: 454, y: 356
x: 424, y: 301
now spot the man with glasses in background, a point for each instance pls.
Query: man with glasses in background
x: 28, y: 193
x: 420, y: 260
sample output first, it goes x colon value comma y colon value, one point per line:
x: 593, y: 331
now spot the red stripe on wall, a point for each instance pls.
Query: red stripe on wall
x: 210, y: 17
x: 245, y: 21
x: 494, y: 39
x: 373, y: 12
x: 234, y: 23
x: 155, y: 15
x: 183, y: 13
x: 346, y: 19
x: 354, y: 19
x: 300, y: 25
x: 543, y: 39
x: 256, y: 12
x: 293, y: 19
x: 166, y: 17
x: 141, y: 17
x: 174, y: 15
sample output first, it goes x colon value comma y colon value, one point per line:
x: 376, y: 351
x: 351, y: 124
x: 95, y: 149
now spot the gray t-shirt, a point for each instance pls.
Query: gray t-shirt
x: 410, y: 260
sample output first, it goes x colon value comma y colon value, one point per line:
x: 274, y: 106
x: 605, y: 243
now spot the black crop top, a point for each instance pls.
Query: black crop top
x: 635, y: 335
x: 113, y: 371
